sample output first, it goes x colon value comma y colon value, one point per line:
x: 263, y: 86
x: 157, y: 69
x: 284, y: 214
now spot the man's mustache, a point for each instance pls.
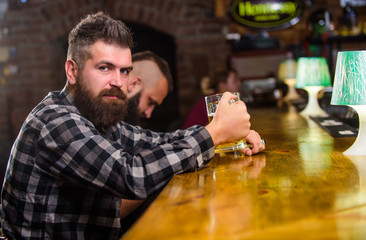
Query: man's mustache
x: 115, y: 92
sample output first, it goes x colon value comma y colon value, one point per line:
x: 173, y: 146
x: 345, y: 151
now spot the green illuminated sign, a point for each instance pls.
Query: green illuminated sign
x: 267, y: 14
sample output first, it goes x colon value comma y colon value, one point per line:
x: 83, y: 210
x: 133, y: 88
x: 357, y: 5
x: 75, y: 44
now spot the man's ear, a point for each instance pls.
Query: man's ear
x: 71, y: 69
x: 134, y: 85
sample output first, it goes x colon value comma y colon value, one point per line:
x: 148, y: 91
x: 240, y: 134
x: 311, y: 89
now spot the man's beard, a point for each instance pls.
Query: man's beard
x: 134, y: 116
x: 100, y: 112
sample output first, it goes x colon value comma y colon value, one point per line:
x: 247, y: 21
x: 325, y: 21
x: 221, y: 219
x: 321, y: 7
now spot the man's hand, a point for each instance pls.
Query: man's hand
x: 254, y: 139
x: 231, y: 121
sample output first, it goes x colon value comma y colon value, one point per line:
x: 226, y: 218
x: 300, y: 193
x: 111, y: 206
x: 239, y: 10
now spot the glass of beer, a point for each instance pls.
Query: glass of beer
x: 212, y: 102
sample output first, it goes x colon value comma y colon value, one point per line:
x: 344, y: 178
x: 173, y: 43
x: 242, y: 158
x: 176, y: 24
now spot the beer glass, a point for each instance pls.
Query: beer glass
x: 212, y: 102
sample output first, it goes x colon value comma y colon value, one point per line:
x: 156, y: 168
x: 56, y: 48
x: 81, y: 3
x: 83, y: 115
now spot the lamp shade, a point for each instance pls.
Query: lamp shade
x: 350, y: 89
x: 312, y: 71
x: 287, y: 69
x: 350, y: 79
x: 287, y: 74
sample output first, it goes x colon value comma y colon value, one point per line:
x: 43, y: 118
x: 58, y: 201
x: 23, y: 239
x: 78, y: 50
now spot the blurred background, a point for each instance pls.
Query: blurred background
x: 194, y: 36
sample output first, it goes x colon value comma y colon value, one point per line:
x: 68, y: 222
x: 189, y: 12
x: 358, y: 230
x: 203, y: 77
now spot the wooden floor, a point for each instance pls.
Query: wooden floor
x: 300, y: 187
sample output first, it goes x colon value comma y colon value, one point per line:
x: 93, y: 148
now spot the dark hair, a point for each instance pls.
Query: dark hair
x: 93, y: 28
x: 162, y: 64
x: 220, y: 76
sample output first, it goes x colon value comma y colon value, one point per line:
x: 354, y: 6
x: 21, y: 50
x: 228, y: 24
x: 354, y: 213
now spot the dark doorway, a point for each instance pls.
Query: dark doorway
x: 166, y: 116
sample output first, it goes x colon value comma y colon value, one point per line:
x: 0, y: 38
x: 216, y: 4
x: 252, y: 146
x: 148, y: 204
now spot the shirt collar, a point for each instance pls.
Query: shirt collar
x: 67, y: 95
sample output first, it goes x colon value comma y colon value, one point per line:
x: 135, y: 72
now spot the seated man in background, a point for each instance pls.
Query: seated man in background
x: 74, y: 158
x: 149, y: 83
x: 221, y: 81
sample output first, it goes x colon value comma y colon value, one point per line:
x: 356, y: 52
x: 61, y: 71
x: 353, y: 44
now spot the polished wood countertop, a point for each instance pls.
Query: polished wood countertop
x: 300, y: 187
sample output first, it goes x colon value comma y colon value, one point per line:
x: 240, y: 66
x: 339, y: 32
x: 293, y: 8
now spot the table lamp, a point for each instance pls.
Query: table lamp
x: 312, y: 75
x: 350, y: 89
x: 287, y: 74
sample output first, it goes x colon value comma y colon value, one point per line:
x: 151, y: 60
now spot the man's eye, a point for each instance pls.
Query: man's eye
x: 152, y: 103
x: 125, y: 71
x: 103, y: 68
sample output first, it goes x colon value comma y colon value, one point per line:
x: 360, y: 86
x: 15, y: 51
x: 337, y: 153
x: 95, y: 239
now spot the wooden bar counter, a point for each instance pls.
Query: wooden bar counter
x: 300, y: 187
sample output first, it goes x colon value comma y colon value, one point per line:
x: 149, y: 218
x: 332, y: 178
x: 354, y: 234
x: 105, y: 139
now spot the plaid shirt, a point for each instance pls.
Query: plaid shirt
x: 65, y: 180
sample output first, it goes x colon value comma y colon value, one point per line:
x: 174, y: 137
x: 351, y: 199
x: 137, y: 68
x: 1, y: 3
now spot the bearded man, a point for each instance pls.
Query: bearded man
x: 74, y: 158
x: 150, y: 82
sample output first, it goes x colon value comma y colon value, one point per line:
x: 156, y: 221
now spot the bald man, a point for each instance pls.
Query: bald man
x: 149, y: 83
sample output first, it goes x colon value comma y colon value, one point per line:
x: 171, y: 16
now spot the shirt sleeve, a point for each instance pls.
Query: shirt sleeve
x: 127, y: 161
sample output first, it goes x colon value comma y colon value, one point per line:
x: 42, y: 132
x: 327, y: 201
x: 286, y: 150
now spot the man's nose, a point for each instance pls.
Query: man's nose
x: 118, y: 80
x: 149, y: 111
